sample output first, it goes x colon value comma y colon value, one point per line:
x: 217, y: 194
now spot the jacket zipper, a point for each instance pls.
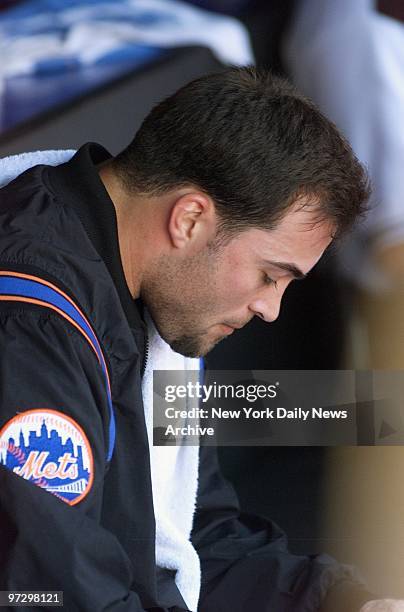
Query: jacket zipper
x: 146, y: 354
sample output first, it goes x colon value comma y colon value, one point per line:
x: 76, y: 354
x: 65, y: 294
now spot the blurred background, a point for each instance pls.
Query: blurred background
x: 72, y: 71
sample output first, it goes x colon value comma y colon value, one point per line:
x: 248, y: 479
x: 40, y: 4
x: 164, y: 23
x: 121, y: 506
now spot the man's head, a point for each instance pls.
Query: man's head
x: 235, y: 170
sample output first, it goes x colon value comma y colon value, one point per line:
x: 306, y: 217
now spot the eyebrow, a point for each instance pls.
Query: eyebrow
x: 289, y: 267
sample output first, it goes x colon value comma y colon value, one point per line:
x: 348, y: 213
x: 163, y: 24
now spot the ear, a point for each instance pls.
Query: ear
x: 192, y: 220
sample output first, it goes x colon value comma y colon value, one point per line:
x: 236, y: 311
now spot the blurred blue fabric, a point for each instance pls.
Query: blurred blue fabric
x: 54, y: 50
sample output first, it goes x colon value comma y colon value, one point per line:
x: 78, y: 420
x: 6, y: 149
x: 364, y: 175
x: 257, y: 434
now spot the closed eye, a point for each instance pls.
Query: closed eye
x: 270, y: 281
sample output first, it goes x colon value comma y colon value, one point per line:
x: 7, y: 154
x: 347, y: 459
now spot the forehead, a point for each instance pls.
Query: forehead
x: 299, y: 238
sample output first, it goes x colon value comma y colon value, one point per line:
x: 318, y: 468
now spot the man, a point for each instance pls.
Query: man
x: 233, y: 187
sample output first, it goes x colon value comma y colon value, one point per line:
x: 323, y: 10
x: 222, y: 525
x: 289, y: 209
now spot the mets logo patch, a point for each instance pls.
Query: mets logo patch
x: 50, y: 449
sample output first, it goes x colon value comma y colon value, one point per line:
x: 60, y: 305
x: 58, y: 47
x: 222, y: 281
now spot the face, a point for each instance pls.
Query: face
x: 197, y: 301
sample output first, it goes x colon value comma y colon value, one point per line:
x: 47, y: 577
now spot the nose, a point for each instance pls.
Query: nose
x: 267, y: 305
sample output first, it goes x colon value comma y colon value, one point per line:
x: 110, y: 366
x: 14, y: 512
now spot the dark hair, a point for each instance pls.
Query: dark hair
x: 254, y: 144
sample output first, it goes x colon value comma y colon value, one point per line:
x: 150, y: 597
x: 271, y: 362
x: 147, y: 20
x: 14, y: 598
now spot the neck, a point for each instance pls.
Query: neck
x: 131, y: 228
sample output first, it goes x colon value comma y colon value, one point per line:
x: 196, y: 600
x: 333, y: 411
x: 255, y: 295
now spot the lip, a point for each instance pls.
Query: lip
x: 228, y: 329
x: 233, y: 326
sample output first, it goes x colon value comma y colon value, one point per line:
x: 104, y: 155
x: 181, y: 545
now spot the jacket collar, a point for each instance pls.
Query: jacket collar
x: 79, y: 185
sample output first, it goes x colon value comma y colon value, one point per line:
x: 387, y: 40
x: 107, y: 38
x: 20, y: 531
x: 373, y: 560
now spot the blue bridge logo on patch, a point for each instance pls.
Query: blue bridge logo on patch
x: 50, y: 449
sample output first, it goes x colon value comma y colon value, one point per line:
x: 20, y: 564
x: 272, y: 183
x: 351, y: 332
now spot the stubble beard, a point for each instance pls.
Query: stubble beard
x: 193, y: 346
x: 176, y: 318
x: 172, y: 329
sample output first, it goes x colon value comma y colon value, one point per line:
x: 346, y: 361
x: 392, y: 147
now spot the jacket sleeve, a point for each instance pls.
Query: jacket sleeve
x: 246, y: 564
x: 52, y: 395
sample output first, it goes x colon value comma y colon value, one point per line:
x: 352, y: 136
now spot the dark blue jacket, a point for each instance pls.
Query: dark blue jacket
x: 59, y: 225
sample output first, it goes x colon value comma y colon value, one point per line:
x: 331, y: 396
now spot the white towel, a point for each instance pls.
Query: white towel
x: 174, y: 480
x: 12, y: 166
x: 174, y: 468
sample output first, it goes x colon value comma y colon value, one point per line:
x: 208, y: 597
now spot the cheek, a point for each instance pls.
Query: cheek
x: 233, y: 280
x: 237, y: 290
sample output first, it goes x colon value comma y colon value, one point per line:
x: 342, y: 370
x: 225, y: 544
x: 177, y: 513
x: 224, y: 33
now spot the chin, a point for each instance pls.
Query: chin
x: 193, y: 346
x: 186, y: 349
